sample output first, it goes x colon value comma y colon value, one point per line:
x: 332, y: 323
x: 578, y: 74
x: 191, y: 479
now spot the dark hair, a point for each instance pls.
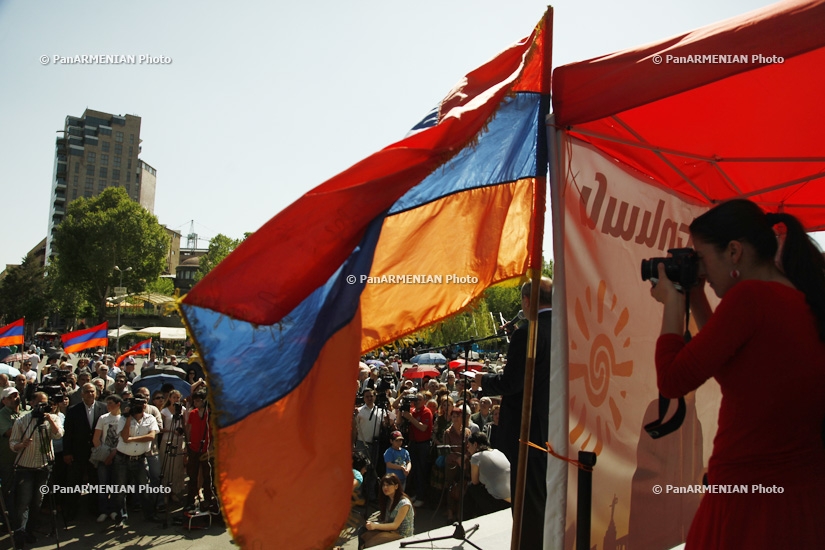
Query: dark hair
x: 480, y: 438
x: 360, y: 460
x: 392, y: 479
x: 801, y: 260
x: 114, y: 398
x: 545, y: 290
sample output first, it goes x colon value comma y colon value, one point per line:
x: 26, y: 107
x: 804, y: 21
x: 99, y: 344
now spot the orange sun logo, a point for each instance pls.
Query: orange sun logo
x: 595, y: 362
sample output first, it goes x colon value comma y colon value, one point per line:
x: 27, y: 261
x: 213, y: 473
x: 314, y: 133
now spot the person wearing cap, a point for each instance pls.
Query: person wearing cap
x: 397, y: 458
x: 8, y: 414
x: 110, y: 362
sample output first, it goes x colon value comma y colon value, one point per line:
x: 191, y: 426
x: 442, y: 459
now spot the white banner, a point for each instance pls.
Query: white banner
x: 613, y: 219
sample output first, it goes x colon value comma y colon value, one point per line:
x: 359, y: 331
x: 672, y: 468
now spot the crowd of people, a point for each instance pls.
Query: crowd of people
x: 84, y: 421
x: 412, y: 433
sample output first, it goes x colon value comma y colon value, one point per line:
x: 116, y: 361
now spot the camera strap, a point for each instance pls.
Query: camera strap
x: 659, y: 427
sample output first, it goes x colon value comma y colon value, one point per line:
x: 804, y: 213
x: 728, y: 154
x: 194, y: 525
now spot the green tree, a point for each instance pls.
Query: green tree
x: 220, y: 246
x: 24, y: 292
x: 162, y: 285
x: 103, y: 232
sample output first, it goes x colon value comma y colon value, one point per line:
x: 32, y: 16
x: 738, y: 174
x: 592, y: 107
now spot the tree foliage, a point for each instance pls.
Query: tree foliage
x: 103, y: 232
x: 220, y: 246
x: 475, y: 321
x: 162, y: 285
x: 24, y: 292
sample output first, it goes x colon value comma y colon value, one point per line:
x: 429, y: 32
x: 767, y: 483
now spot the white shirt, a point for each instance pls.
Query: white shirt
x: 147, y: 424
x: 367, y: 428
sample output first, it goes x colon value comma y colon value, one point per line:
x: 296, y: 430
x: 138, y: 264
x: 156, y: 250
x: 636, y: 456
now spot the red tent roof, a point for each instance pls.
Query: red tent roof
x: 714, y: 128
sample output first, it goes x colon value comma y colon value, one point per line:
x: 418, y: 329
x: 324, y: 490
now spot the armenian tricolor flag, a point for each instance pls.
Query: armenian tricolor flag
x: 141, y: 348
x: 12, y: 334
x: 401, y: 240
x: 95, y: 337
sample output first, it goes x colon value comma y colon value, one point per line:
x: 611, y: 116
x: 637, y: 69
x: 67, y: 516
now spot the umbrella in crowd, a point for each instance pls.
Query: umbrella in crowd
x: 420, y: 372
x: 375, y: 363
x: 156, y: 381
x: 8, y: 370
x: 458, y: 364
x: 165, y: 369
x: 429, y: 359
x: 15, y: 357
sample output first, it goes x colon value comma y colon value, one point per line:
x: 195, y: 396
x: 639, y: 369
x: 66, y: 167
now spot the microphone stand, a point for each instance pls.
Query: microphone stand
x: 460, y: 533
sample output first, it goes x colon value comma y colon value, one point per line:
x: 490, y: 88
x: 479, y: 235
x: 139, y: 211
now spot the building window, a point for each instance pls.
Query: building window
x: 101, y: 185
x: 75, y: 180
x: 116, y: 162
x: 104, y: 146
x: 90, y: 157
x: 77, y: 168
x: 132, y: 138
x: 115, y: 174
x: 119, y: 137
x: 130, y: 151
x: 128, y: 189
x: 129, y: 164
x: 118, y: 149
x: 128, y: 176
x: 104, y: 159
x: 90, y: 170
x: 89, y: 188
x: 103, y: 172
x: 74, y: 193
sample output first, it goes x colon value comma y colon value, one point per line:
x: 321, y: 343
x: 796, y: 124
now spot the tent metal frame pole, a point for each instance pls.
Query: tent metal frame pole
x: 536, y: 264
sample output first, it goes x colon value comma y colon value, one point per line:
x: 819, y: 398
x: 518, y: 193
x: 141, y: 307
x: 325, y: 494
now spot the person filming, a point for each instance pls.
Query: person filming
x: 764, y: 346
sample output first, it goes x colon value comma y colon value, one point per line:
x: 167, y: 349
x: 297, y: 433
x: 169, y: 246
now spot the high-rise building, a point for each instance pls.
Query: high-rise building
x: 96, y: 151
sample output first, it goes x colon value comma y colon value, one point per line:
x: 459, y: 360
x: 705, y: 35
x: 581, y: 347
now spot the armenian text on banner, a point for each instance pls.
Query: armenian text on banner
x: 613, y: 219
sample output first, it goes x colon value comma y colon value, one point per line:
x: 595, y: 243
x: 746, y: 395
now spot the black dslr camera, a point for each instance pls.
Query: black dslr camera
x: 406, y: 402
x: 39, y: 412
x: 133, y: 406
x: 682, y: 268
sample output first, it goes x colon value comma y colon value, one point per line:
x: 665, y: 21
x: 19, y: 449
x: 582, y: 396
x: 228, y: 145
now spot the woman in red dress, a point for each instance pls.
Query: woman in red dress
x: 764, y: 345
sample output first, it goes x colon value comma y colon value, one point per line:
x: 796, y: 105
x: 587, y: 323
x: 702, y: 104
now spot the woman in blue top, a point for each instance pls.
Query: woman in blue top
x: 396, y: 519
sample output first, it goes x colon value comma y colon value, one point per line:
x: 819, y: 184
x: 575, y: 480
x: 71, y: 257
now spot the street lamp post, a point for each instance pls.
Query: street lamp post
x: 117, y: 342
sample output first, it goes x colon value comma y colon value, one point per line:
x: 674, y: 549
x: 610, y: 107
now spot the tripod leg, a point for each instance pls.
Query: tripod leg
x: 6, y: 518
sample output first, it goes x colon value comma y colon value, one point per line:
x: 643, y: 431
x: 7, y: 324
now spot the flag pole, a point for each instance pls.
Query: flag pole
x: 536, y: 264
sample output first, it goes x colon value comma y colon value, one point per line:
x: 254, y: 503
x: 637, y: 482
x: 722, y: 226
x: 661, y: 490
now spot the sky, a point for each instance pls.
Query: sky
x: 255, y: 103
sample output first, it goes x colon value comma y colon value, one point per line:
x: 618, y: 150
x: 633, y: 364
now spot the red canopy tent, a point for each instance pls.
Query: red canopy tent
x: 729, y: 110
x: 746, y: 123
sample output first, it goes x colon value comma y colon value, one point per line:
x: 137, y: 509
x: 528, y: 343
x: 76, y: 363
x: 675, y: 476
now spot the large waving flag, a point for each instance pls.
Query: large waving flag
x: 12, y: 334
x: 141, y: 348
x: 94, y: 337
x: 401, y: 240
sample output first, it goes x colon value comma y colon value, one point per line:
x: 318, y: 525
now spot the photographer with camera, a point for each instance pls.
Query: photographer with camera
x: 420, y: 433
x: 370, y: 419
x: 765, y: 346
x: 31, y: 438
x: 137, y: 432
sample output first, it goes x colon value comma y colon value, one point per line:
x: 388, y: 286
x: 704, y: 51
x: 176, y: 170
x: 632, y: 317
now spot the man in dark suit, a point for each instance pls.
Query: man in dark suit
x: 79, y: 427
x: 510, y: 385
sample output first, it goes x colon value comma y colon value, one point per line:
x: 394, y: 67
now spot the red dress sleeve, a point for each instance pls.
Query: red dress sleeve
x: 682, y: 367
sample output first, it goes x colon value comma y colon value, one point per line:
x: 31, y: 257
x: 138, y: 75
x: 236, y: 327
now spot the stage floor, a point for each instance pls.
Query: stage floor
x: 493, y: 534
